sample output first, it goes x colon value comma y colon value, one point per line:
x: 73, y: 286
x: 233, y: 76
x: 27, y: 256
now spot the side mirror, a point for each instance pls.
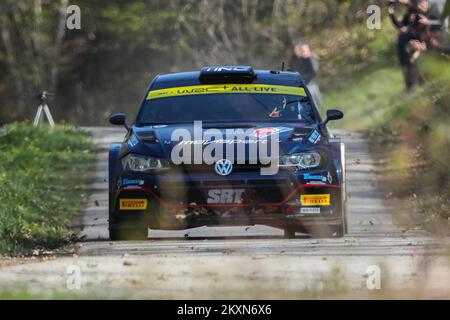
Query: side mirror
x: 332, y: 115
x: 119, y: 119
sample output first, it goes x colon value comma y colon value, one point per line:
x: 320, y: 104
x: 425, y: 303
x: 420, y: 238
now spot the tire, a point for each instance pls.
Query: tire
x: 289, y: 233
x: 344, y: 193
x: 339, y: 231
x: 128, y: 234
x: 327, y: 232
x: 345, y: 219
x: 127, y: 229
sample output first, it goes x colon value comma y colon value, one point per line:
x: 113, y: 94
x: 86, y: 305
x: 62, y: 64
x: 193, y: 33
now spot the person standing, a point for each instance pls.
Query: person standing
x: 306, y: 62
x: 411, y: 28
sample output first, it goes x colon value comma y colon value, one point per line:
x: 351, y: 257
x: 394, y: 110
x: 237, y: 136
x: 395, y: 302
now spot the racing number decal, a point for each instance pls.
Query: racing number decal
x: 225, y: 88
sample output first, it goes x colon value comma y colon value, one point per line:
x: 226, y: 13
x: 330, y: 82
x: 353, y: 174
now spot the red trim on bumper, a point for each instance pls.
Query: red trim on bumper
x: 175, y: 206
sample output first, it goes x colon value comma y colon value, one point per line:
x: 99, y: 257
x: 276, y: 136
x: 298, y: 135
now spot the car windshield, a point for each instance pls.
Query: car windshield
x: 239, y: 107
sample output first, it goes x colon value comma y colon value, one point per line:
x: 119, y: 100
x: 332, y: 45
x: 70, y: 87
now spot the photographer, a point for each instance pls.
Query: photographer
x: 433, y: 36
x: 412, y: 27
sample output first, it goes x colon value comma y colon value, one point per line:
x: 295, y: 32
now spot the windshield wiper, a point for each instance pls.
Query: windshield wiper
x: 143, y: 124
x: 227, y: 126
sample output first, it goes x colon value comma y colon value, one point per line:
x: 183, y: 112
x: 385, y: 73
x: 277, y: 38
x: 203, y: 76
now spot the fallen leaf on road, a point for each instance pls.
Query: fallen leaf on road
x: 162, y: 277
x: 350, y: 240
x: 135, y: 282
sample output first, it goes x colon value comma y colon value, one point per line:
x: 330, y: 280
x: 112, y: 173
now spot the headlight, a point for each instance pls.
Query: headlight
x: 140, y: 163
x: 301, y: 160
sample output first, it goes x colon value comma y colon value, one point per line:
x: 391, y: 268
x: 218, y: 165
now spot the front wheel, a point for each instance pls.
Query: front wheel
x: 325, y: 232
x: 128, y: 235
x: 131, y: 229
x: 289, y: 233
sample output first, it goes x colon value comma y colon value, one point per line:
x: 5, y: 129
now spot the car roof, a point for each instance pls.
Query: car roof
x: 182, y: 79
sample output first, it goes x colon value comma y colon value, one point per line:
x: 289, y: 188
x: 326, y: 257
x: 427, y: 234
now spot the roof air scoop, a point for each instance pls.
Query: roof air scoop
x: 227, y: 74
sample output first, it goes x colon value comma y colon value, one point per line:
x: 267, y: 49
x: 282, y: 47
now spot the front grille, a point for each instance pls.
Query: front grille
x: 206, y: 169
x: 224, y: 183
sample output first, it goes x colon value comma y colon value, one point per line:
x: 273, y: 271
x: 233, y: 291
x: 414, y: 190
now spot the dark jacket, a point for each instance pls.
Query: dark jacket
x: 413, y: 33
x: 308, y: 67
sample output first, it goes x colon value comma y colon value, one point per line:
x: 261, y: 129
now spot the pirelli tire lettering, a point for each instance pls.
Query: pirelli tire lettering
x: 133, y: 204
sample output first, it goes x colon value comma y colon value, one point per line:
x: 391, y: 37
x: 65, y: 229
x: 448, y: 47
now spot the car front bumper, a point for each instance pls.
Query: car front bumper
x: 181, y: 202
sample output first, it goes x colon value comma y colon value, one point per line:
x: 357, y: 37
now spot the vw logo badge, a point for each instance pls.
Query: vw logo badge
x: 224, y: 167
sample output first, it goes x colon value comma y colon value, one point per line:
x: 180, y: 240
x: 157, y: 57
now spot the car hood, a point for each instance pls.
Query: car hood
x: 157, y: 141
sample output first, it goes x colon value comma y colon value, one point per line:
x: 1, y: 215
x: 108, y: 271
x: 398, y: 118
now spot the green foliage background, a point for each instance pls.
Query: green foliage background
x: 106, y: 66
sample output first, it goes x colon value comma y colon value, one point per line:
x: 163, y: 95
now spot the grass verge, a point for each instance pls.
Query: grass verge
x: 42, y: 179
x: 412, y: 131
x: 416, y: 133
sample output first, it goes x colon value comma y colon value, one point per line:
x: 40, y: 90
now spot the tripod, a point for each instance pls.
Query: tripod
x: 43, y: 109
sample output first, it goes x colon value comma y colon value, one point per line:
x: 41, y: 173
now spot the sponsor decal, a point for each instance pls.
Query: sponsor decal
x: 265, y: 132
x: 226, y: 69
x: 129, y: 182
x: 329, y: 178
x: 316, y: 183
x: 225, y: 196
x: 310, y: 210
x: 133, y: 204
x: 308, y: 176
x: 224, y: 89
x: 133, y: 141
x: 220, y: 141
x: 313, y: 200
x: 211, y: 147
x: 314, y: 137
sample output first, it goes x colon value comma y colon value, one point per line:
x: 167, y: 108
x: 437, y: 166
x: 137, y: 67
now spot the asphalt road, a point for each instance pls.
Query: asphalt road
x: 249, y: 262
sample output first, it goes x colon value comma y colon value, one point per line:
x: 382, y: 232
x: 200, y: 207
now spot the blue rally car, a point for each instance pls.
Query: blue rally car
x: 157, y: 179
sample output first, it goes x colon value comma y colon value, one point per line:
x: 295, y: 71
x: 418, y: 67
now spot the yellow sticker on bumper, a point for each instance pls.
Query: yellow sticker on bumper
x: 225, y: 88
x: 313, y: 200
x: 133, y: 204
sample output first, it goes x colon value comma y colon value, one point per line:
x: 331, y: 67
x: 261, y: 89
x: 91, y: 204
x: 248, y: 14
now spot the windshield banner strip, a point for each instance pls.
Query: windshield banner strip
x: 225, y: 88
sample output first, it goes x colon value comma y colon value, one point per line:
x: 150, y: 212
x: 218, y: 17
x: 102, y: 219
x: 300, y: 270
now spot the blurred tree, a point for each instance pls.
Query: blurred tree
x: 32, y: 33
x: 106, y: 66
